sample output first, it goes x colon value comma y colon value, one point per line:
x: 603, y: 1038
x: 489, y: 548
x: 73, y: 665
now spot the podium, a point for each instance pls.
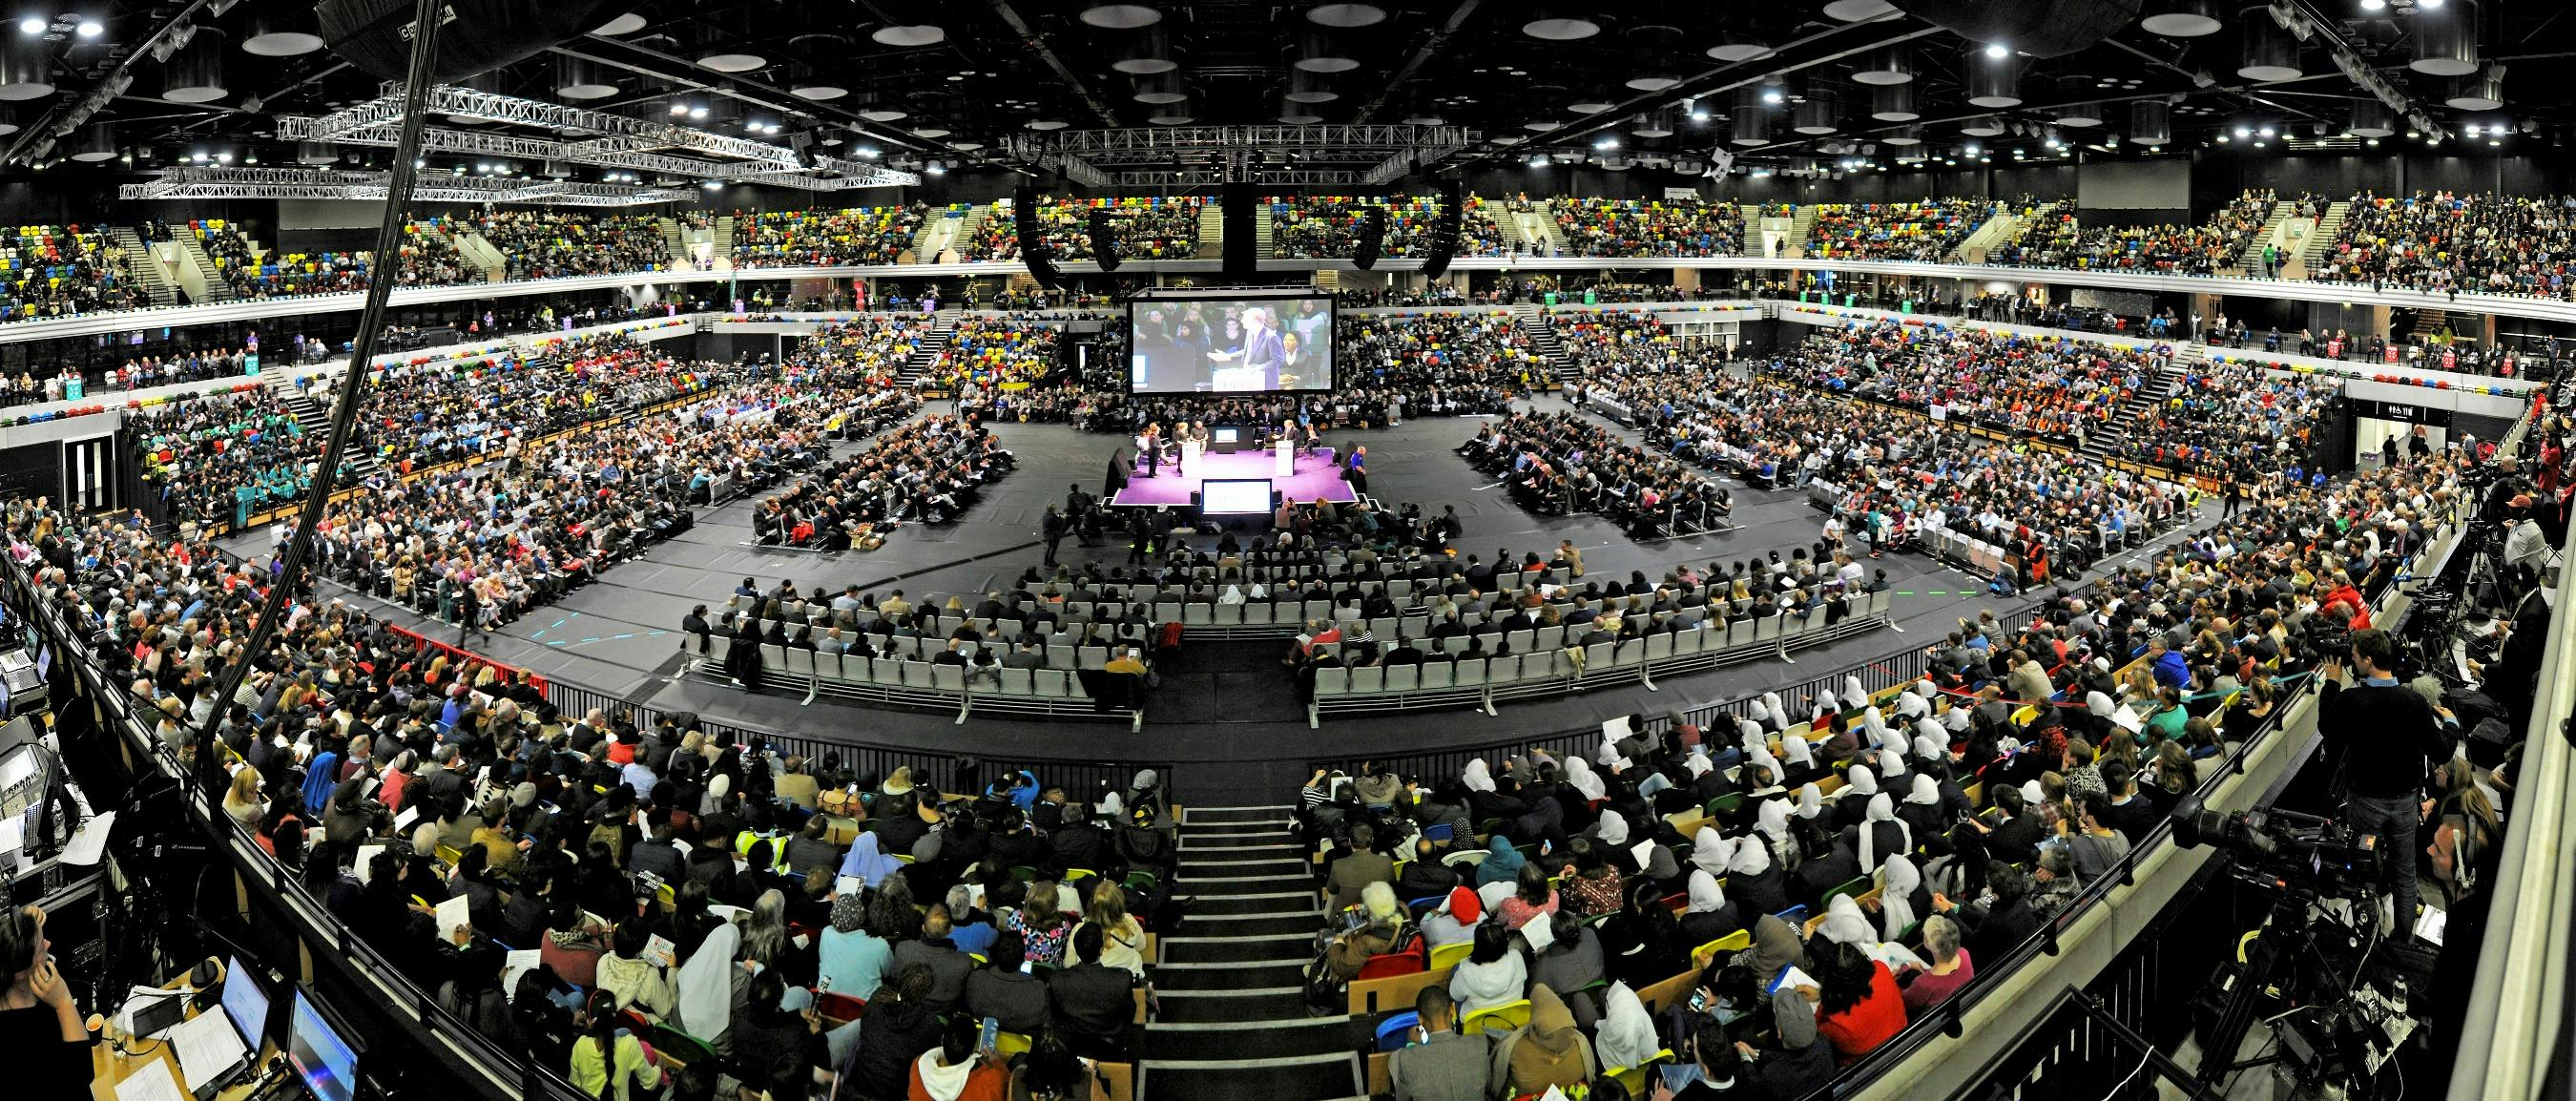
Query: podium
x: 1283, y: 459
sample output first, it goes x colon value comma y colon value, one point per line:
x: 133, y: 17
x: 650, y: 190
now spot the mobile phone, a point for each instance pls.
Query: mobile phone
x: 990, y: 1034
x: 1699, y: 1000
x: 1027, y: 967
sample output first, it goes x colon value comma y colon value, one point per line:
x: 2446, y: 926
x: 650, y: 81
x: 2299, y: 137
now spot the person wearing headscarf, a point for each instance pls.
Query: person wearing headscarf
x: 1798, y: 755
x: 1853, y: 694
x: 1756, y: 884
x: 1930, y: 747
x: 1880, y: 836
x: 1626, y: 1037
x: 1749, y: 735
x: 1771, y: 715
x: 1845, y: 923
x: 1502, y: 862
x: 1771, y: 825
x: 1811, y: 802
x: 1455, y: 920
x: 1711, y: 851
x: 706, y: 984
x: 1901, y: 897
x: 1862, y: 784
x: 865, y: 864
x: 1477, y: 776
x: 1777, y: 958
x: 1911, y: 704
x: 852, y: 960
x: 1611, y: 832
x: 1875, y: 725
x: 1923, y: 812
x: 1708, y: 915
x: 1891, y: 768
x: 1548, y: 1051
x: 1587, y: 783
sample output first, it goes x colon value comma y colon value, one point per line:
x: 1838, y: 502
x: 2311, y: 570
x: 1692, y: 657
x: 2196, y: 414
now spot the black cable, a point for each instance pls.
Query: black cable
x: 426, y: 20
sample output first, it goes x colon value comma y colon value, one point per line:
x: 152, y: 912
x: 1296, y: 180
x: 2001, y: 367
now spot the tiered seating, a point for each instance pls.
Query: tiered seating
x: 1327, y: 227
x: 1921, y: 231
x: 2464, y: 243
x: 219, y: 458
x: 2051, y: 237
x: 2232, y: 419
x: 1006, y: 352
x: 1557, y: 463
x: 2058, y: 388
x: 547, y: 244
x: 429, y: 256
x: 1148, y: 228
x: 1648, y: 227
x: 1434, y: 364
x: 57, y: 271
x: 815, y: 238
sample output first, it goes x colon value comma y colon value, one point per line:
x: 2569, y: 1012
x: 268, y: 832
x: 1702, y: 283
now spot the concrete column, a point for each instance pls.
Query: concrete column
x: 1686, y: 281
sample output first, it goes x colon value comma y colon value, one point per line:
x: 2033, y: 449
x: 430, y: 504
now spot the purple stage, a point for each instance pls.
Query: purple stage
x: 1318, y: 477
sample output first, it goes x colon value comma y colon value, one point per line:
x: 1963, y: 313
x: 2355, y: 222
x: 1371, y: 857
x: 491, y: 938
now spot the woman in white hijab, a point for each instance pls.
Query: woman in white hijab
x: 1853, y: 694
x: 1698, y: 763
x: 1846, y: 924
x: 1826, y: 705
x: 1706, y: 895
x: 1580, y: 777
x: 1772, y: 716
x: 1898, y: 880
x: 1956, y: 720
x: 1875, y: 725
x: 1891, y: 766
x: 1608, y: 755
x: 1863, y: 783
x: 1929, y: 749
x: 1750, y: 860
x: 1749, y: 732
x: 1233, y: 595
x: 706, y: 983
x: 1477, y: 777
x: 1612, y: 832
x: 1772, y: 822
x: 1626, y: 1036
x: 1811, y: 801
x: 1882, y: 811
x: 1911, y: 704
x: 2099, y: 704
x: 1711, y: 852
x: 1799, y: 752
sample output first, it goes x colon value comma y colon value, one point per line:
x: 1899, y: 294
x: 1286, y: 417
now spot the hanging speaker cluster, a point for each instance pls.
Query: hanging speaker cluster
x: 1033, y: 247
x: 1104, y: 239
x: 1372, y: 238
x: 1444, y: 234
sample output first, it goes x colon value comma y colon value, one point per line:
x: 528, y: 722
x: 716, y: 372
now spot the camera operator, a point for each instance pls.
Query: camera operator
x: 2383, y: 739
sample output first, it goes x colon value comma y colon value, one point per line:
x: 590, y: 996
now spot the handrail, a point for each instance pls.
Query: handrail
x: 2518, y: 997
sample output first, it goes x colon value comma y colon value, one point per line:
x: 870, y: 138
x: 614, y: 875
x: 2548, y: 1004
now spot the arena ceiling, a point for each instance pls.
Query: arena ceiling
x: 977, y: 82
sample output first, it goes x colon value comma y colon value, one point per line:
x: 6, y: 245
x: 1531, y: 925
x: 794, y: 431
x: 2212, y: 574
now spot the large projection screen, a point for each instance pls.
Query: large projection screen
x: 1230, y: 343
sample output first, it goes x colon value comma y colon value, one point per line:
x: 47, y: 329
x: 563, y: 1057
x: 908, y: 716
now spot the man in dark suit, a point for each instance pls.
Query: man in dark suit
x: 1262, y: 348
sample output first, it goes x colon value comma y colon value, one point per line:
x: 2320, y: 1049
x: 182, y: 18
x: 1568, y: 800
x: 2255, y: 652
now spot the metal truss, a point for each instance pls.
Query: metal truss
x: 1192, y: 156
x: 613, y: 141
x: 315, y: 183
x: 1211, y: 177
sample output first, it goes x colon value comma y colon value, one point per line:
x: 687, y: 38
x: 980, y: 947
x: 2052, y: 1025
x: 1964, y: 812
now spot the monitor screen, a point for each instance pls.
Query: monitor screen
x: 326, y: 1062
x: 1228, y: 435
x: 246, y: 1002
x: 1234, y: 496
x: 1230, y: 344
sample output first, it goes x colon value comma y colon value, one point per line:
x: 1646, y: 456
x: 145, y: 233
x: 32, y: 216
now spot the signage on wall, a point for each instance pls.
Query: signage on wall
x: 1681, y: 193
x: 2402, y: 413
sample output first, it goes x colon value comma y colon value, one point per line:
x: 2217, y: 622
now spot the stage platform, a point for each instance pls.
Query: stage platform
x: 1318, y: 478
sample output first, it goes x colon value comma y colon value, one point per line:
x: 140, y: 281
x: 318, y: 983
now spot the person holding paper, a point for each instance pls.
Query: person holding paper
x: 39, y: 1024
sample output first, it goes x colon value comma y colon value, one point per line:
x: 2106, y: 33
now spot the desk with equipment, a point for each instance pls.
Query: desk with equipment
x: 171, y: 1043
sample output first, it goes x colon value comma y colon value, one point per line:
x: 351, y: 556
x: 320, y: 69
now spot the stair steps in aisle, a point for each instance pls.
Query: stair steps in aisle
x: 1211, y: 232
x: 1261, y: 230
x: 952, y: 248
x: 2321, y: 239
x: 927, y: 353
x: 678, y: 244
x: 1534, y: 324
x: 193, y: 253
x: 315, y: 417
x: 144, y: 267
x: 2105, y: 442
x: 1233, y: 1019
x: 482, y: 254
x: 722, y: 237
x: 2249, y: 263
x: 1800, y: 225
x: 1994, y: 232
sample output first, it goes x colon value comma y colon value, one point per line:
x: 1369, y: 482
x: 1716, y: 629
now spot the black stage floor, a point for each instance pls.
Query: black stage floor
x: 1225, y: 703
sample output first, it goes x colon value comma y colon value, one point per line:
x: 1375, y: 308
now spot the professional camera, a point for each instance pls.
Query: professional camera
x: 2298, y: 850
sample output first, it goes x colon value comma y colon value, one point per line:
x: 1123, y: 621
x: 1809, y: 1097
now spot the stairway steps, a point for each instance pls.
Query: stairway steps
x: 1246, y: 976
x: 1269, y: 903
x: 1269, y: 1003
x: 1304, y: 921
x: 1235, y: 816
x: 1301, y: 1077
x: 1248, y: 1039
x: 1243, y: 948
x: 1232, y: 829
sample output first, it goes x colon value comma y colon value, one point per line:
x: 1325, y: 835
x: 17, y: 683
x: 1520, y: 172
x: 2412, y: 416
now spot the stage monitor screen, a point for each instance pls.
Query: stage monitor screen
x: 1234, y: 497
x: 320, y: 1054
x: 246, y: 1003
x: 1228, y: 435
x: 1230, y: 344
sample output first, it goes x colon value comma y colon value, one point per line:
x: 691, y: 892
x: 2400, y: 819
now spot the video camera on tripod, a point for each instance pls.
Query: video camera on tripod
x: 2284, y: 849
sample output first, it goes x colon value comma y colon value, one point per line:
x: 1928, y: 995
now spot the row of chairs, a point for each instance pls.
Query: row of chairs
x: 1479, y: 681
x: 910, y: 682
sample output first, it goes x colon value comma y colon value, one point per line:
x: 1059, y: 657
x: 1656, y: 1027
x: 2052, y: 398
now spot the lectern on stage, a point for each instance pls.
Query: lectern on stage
x: 1283, y: 458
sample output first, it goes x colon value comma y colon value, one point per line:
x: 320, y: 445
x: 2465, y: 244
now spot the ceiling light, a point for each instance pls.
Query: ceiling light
x: 1998, y: 50
x: 628, y: 23
x: 1121, y: 17
x: 2374, y: 5
x: 1539, y: 161
x: 1346, y: 15
x: 1771, y: 95
x: 936, y: 168
x: 89, y: 28
x: 2374, y: 141
x: 922, y: 34
x: 697, y: 112
x: 1554, y: 24
x: 679, y: 108
x: 31, y: 25
x: 2243, y: 131
x: 2428, y: 3
x: 1606, y: 143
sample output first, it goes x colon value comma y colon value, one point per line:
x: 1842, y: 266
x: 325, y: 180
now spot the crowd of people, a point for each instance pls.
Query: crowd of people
x: 1313, y: 227
x: 987, y: 352
x: 545, y: 243
x: 2054, y: 237
x: 1648, y: 227
x: 928, y: 471
x: 1559, y: 463
x: 2234, y: 420
x: 2061, y: 388
x: 1923, y: 231
x: 389, y: 778
x: 820, y: 238
x: 221, y: 456
x: 2445, y: 242
x: 57, y: 271
x: 1148, y: 228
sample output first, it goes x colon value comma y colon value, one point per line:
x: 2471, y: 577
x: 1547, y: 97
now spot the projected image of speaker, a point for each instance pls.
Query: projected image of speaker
x: 483, y: 35
x: 1033, y: 247
x: 1229, y: 342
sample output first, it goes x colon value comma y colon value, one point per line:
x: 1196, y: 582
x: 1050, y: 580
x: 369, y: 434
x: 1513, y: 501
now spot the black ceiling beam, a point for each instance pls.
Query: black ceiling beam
x: 1431, y: 47
x: 1036, y: 44
x: 740, y: 88
x: 43, y: 126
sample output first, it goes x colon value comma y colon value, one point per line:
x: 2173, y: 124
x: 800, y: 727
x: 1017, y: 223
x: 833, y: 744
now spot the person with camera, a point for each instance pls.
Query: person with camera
x: 2384, y: 738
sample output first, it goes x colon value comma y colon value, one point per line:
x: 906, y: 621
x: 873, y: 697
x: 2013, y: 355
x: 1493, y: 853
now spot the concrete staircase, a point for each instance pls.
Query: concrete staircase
x: 2321, y: 239
x: 1540, y: 229
x: 315, y: 418
x: 2250, y: 261
x: 2432, y: 322
x: 677, y: 241
x: 926, y: 354
x: 2160, y: 387
x: 929, y: 231
x: 1534, y: 324
x: 722, y: 238
x: 1994, y: 234
x: 1211, y: 233
x: 144, y: 266
x: 1795, y: 244
x: 1233, y: 1021
x: 1261, y: 231
x: 193, y: 255
x: 481, y: 253
x: 941, y: 234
